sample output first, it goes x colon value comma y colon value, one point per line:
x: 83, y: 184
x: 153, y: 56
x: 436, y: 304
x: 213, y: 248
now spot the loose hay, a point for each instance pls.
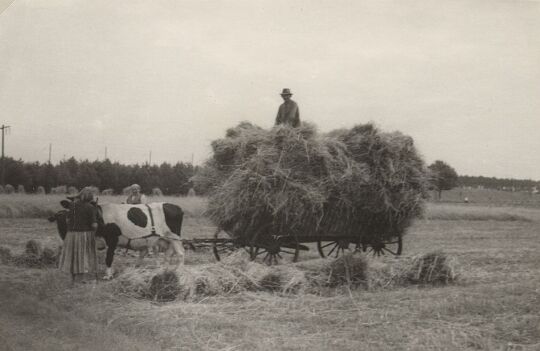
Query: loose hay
x: 164, y: 286
x: 432, y: 268
x: 34, y: 256
x: 350, y: 270
x: 5, y: 255
x: 33, y: 248
x: 294, y: 182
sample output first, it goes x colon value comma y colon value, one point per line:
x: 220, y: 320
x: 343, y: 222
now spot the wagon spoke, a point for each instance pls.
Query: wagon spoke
x: 335, y: 246
x: 392, y: 252
x: 257, y: 253
x: 330, y: 243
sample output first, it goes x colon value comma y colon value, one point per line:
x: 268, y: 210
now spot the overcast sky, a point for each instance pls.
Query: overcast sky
x: 461, y: 77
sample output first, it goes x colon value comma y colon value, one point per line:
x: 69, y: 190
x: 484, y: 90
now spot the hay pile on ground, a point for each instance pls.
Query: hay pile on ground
x: 321, y: 276
x: 433, y: 268
x: 34, y: 256
x: 349, y: 270
x: 295, y: 182
x: 234, y: 275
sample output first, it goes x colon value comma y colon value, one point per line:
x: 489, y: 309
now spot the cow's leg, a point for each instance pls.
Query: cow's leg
x: 178, y: 249
x: 161, y: 245
x: 112, y: 243
x: 142, y: 253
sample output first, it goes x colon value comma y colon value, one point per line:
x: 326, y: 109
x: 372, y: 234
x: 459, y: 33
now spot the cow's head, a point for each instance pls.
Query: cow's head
x: 60, y: 218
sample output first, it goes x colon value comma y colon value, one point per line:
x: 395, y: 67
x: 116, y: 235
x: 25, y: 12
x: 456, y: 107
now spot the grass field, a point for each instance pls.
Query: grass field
x: 494, y: 306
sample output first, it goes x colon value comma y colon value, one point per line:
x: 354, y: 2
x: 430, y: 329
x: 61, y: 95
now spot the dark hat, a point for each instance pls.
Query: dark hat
x: 286, y: 92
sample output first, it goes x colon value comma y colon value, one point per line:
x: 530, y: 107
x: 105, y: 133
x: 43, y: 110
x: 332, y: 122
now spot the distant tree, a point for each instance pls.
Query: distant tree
x: 47, y: 177
x: 107, y: 174
x: 16, y: 173
x: 66, y: 171
x: 86, y: 175
x: 443, y: 177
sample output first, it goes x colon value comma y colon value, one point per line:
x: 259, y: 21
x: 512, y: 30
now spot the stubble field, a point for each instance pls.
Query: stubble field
x: 495, y: 305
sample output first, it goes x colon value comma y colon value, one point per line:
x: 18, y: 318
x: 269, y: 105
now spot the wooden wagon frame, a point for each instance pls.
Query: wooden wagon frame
x: 272, y: 248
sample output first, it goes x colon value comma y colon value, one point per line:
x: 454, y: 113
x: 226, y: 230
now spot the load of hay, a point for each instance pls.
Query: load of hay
x: 286, y: 181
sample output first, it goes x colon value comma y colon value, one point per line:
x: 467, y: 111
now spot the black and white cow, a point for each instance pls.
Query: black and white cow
x: 136, y: 227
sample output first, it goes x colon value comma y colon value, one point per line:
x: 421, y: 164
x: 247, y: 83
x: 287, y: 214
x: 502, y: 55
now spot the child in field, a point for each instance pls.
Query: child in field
x: 135, y: 197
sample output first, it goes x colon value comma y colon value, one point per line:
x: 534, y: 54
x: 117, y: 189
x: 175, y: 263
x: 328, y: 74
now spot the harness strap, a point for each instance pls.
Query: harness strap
x: 151, y: 220
x: 128, y: 245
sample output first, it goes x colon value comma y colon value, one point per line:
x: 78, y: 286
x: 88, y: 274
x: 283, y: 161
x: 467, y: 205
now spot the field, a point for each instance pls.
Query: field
x: 495, y: 305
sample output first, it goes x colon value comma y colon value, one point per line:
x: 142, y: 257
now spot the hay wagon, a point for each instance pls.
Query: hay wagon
x: 281, y: 191
x: 272, y: 249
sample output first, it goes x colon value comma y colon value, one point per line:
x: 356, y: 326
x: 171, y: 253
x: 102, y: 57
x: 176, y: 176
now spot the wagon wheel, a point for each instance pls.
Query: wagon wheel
x: 272, y: 251
x: 334, y: 248
x: 223, y: 245
x: 393, y: 247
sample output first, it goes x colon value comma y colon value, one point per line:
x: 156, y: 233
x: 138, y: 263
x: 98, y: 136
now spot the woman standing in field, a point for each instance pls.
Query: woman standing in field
x: 79, y: 251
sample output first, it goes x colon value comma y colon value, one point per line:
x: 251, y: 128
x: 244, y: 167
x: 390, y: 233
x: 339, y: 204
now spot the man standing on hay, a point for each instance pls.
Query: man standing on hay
x: 288, y: 112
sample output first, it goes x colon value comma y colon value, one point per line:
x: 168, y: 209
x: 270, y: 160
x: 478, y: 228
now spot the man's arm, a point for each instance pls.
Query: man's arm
x: 278, y: 116
x: 296, y: 122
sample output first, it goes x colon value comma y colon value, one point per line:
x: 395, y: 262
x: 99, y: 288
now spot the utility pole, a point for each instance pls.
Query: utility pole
x: 4, y: 129
x: 150, y: 158
x: 105, y: 152
x: 50, y: 152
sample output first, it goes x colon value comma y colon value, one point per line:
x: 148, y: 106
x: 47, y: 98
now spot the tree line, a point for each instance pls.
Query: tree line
x: 174, y: 179
x: 171, y: 179
x: 444, y: 177
x: 498, y: 183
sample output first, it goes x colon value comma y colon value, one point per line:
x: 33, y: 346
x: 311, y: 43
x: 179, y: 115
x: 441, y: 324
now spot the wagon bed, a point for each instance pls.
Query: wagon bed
x: 272, y: 249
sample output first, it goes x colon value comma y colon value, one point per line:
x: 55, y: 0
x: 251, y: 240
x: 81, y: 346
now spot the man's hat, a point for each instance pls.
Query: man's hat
x: 286, y: 92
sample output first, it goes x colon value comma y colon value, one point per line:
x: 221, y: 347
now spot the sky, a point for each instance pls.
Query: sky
x: 168, y: 77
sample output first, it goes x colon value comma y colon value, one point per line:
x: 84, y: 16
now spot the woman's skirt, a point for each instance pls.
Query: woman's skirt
x: 79, y: 253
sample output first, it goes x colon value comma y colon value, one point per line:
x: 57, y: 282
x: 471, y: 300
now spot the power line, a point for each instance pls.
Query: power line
x: 4, y: 129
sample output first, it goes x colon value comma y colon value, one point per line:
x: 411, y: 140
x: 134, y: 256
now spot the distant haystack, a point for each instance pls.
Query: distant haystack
x: 107, y: 192
x: 9, y: 189
x: 157, y: 192
x: 20, y: 189
x: 191, y: 193
x: 40, y: 190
